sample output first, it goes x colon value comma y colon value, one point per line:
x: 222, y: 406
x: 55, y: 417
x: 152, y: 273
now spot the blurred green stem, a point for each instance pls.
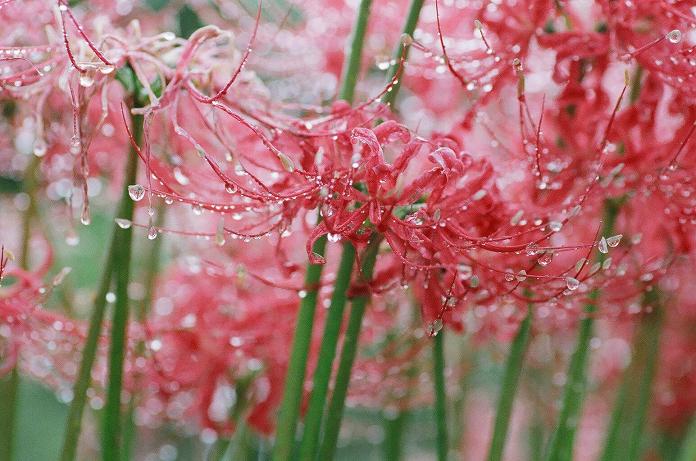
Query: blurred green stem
x: 351, y: 68
x: 9, y: 384
x: 393, y: 435
x: 688, y: 448
x: 511, y: 378
x: 348, y: 351
x: 414, y: 10
x: 152, y: 267
x: 440, y: 395
x: 562, y: 441
x: 624, y: 435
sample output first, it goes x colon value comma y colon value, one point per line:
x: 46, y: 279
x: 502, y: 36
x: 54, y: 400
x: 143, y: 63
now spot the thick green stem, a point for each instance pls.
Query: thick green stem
x: 294, y: 379
x: 414, y: 10
x: 327, y: 353
x: 348, y: 352
x: 561, y: 446
x: 111, y: 435
x: 89, y: 352
x: 351, y: 67
x: 511, y: 378
x: 624, y: 435
x: 440, y: 395
x: 393, y: 434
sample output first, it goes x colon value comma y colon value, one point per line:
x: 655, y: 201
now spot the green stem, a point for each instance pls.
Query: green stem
x: 150, y: 276
x: 414, y: 10
x: 9, y: 385
x: 511, y: 378
x: 351, y: 68
x: 292, y: 394
x: 348, y: 352
x: 89, y: 352
x: 393, y: 435
x: 327, y: 353
x: 688, y: 448
x: 440, y: 395
x: 294, y: 379
x: 624, y: 436
x: 111, y: 435
x: 561, y: 445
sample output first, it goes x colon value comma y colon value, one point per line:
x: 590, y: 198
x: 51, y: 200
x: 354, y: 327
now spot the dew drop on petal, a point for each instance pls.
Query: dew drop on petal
x: 86, y: 80
x: 532, y: 249
x: 136, y: 192
x: 287, y: 162
x: 555, y: 226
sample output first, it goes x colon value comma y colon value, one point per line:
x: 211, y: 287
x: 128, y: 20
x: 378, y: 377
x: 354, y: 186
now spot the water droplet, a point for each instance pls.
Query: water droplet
x: 555, y: 226
x: 572, y: 283
x: 40, y: 147
x: 86, y: 80
x: 72, y: 239
x: 60, y: 276
x: 287, y: 162
x: 545, y: 259
x: 474, y: 281
x: 614, y: 240
x: 136, y: 192
x: 152, y: 233
x: 123, y: 223
x: 110, y: 297
x: 465, y: 271
x: 197, y: 209
x: 674, y: 36
x: 220, y: 232
x: 532, y: 249
x: 509, y: 276
x: 434, y: 327
x: 75, y: 145
x: 521, y: 275
x: 602, y: 246
x: 106, y: 69
x: 302, y: 294
x: 606, y: 264
x: 230, y: 188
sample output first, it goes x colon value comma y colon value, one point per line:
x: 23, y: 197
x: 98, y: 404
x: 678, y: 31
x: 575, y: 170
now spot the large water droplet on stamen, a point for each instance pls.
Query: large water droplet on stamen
x: 674, y: 36
x: 532, y: 249
x: 555, y: 226
x: 230, y: 188
x: 123, y: 223
x: 86, y: 80
x: 545, y: 259
x: 521, y: 275
x: 85, y: 217
x: 40, y: 147
x: 152, y: 233
x: 614, y: 240
x: 136, y: 192
x: 572, y: 283
x: 602, y: 246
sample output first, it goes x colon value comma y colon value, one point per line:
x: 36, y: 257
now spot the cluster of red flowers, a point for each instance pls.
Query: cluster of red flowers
x: 558, y: 168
